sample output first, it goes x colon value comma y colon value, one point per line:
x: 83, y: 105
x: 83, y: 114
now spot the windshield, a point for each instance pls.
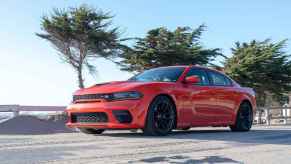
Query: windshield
x: 164, y: 74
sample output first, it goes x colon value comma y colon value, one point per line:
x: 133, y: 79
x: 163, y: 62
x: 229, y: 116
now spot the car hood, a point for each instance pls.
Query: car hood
x: 116, y: 86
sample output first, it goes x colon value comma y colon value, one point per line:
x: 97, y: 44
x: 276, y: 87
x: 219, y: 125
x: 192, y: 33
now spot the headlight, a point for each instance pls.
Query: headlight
x: 125, y: 95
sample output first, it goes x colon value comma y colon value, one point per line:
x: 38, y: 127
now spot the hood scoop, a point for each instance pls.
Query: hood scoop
x: 99, y: 84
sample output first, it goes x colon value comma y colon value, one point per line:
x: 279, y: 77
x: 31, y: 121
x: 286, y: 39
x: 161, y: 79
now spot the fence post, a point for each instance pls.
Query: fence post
x: 268, y: 121
x: 15, y: 111
x: 286, y: 116
x: 260, y: 116
x: 285, y: 113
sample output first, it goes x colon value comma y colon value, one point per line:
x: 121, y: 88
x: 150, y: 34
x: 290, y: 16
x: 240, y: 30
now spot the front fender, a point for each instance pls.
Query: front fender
x: 149, y: 96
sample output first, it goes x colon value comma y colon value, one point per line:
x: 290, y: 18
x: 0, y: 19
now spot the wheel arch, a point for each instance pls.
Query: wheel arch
x: 244, y: 100
x: 172, y: 100
x: 247, y: 101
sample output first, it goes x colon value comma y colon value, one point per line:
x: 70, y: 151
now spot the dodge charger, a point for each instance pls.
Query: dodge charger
x: 162, y: 99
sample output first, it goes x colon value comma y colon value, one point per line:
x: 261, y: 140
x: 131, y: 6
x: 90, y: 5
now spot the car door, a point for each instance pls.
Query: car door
x: 224, y: 95
x: 201, y: 101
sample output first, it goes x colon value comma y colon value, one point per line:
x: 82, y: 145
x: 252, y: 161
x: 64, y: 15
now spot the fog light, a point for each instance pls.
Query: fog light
x: 123, y: 116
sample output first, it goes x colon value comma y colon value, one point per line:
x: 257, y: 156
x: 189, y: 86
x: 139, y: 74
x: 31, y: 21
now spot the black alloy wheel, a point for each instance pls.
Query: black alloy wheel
x: 244, y: 119
x: 161, y: 117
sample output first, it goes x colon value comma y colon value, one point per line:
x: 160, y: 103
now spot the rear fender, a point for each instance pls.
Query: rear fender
x: 245, y: 97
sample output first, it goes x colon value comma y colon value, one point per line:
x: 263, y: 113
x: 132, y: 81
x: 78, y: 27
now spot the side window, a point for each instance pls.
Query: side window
x: 219, y: 79
x: 201, y: 74
x: 228, y: 81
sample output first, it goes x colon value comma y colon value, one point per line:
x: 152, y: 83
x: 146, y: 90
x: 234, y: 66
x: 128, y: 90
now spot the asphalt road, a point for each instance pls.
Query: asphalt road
x: 199, y: 145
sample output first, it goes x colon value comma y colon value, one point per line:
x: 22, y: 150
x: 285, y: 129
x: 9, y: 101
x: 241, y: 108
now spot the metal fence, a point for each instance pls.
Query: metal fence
x: 16, y: 109
x: 273, y: 115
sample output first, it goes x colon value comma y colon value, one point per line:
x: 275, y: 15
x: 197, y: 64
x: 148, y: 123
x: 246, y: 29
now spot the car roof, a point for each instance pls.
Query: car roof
x: 192, y: 66
x: 196, y: 66
x: 203, y: 67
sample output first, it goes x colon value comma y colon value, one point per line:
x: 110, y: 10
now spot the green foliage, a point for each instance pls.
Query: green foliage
x: 264, y: 66
x: 80, y: 35
x: 83, y: 34
x: 161, y: 47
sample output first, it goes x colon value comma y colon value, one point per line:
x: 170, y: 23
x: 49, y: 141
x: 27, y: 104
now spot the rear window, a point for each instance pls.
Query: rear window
x: 219, y: 79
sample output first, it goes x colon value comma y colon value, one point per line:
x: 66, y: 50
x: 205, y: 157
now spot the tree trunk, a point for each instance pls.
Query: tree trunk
x: 80, y: 78
x: 261, y: 98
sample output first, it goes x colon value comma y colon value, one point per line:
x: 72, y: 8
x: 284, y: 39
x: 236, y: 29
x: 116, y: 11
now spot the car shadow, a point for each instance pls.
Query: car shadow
x: 181, y: 159
x: 256, y: 136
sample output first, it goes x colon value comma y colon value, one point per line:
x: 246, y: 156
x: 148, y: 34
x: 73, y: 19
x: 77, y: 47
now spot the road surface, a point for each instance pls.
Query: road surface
x: 199, y: 145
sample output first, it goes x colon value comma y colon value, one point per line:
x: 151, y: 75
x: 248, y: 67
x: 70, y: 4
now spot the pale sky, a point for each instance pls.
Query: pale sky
x: 32, y: 73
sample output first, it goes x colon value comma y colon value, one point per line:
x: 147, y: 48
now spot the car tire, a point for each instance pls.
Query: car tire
x: 91, y: 130
x: 161, y: 117
x: 244, y: 118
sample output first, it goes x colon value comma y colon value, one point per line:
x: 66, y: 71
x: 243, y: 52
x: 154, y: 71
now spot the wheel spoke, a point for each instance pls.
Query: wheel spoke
x: 163, y: 116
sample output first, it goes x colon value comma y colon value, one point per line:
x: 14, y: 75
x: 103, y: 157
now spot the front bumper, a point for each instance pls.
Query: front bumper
x: 126, y: 114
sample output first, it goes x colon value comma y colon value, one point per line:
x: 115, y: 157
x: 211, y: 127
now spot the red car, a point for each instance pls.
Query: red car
x: 161, y: 99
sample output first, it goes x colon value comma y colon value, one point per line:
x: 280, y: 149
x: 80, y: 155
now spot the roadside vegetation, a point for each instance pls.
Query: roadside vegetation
x: 264, y: 66
x: 82, y: 34
x: 162, y: 47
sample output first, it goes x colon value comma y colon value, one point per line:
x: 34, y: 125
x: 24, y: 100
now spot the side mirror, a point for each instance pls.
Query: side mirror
x: 192, y: 80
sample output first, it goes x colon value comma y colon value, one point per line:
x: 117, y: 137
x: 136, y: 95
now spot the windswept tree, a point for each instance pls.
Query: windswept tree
x: 264, y: 66
x: 162, y: 47
x: 80, y: 35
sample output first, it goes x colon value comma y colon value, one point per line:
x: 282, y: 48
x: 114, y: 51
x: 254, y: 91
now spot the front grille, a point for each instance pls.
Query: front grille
x: 88, y: 97
x: 92, y: 117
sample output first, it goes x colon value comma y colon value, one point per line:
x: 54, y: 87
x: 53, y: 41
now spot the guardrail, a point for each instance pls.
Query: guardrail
x: 16, y: 109
x: 267, y: 115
